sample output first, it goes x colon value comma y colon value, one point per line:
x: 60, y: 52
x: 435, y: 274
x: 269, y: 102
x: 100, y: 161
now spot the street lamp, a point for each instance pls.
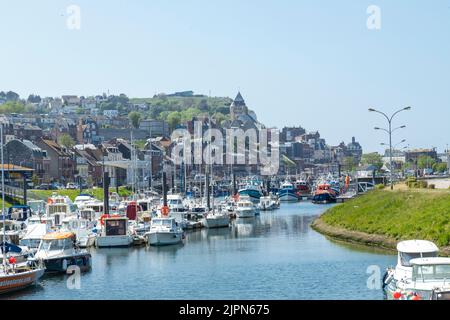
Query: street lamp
x: 389, y: 131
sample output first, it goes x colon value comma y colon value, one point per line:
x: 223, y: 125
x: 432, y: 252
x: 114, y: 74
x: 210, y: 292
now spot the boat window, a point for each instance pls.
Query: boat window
x: 59, y: 244
x: 431, y: 272
x: 406, y: 257
x: 115, y: 227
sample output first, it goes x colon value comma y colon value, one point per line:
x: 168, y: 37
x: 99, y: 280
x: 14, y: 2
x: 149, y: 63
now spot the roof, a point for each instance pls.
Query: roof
x: 56, y: 147
x: 58, y: 235
x: 428, y: 261
x: 13, y: 168
x: 412, y: 246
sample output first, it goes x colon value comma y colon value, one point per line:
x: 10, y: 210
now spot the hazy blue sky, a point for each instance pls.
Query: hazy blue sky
x: 309, y: 63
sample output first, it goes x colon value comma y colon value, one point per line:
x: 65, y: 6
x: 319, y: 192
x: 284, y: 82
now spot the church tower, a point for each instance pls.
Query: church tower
x: 238, y: 107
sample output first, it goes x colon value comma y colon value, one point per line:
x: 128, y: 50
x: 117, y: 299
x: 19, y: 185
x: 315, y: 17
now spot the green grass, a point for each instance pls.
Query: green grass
x: 423, y: 214
x: 72, y: 194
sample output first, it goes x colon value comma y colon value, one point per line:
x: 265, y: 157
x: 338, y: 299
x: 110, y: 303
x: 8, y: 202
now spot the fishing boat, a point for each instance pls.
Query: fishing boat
x: 58, y: 252
x: 114, y: 232
x: 245, y: 208
x: 270, y: 202
x: 419, y: 273
x: 302, y: 188
x: 164, y: 231
x: 287, y: 192
x: 324, y: 194
x: 252, y: 190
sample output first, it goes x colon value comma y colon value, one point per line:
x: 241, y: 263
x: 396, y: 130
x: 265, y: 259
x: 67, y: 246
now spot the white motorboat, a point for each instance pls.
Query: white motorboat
x: 419, y: 273
x: 270, y: 202
x: 114, y: 232
x: 245, y: 208
x: 164, y: 231
x: 58, y: 251
x: 82, y: 228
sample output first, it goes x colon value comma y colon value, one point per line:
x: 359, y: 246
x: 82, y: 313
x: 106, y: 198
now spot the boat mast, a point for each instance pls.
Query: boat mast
x: 3, y: 200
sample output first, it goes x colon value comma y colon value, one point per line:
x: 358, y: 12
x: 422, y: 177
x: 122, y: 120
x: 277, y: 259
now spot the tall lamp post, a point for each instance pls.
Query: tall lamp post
x: 389, y: 132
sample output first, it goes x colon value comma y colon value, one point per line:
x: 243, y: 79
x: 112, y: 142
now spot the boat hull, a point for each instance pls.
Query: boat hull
x: 216, y: 222
x: 288, y: 196
x: 14, y: 282
x: 245, y: 213
x: 254, y: 195
x: 61, y: 264
x: 164, y: 238
x: 114, y: 241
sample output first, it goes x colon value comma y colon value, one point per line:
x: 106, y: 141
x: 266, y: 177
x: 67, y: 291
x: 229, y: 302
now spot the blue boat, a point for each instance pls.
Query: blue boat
x: 287, y: 192
x: 253, y: 191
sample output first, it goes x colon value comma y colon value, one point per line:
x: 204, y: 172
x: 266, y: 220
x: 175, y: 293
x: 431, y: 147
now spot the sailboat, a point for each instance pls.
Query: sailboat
x: 15, y: 276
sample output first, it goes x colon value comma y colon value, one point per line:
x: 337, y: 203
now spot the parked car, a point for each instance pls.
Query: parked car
x: 43, y: 186
x: 72, y: 185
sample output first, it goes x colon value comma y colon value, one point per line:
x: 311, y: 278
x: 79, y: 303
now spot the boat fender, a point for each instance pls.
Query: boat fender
x: 387, y: 278
x: 64, y: 264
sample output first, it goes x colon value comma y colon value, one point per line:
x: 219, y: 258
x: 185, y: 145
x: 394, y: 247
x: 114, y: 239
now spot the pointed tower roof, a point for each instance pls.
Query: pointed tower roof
x: 239, y: 101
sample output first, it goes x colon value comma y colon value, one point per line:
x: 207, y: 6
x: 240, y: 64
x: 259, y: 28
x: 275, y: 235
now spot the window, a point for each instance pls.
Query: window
x: 115, y: 227
x: 406, y: 257
x: 431, y: 272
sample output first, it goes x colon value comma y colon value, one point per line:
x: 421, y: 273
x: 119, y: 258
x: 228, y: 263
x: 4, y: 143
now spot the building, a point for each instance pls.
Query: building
x: 354, y: 150
x: 62, y: 166
x: 288, y: 134
x: 111, y: 113
x: 413, y: 155
x: 27, y: 132
x: 88, y: 165
x: 155, y: 128
x: 24, y: 153
x: 238, y: 107
x: 88, y: 131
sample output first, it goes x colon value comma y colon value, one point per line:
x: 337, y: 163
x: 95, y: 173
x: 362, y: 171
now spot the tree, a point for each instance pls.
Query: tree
x: 373, y: 158
x: 349, y: 163
x: 12, y: 107
x: 34, y: 99
x: 135, y: 118
x: 66, y: 140
x: 424, y: 162
x: 174, y: 119
x: 12, y: 96
x: 440, y: 167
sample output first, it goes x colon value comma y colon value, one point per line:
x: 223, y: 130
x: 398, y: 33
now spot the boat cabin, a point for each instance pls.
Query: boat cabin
x: 115, y: 226
x: 169, y: 223
x: 412, y: 249
x: 88, y: 214
x: 19, y: 213
x: 430, y: 269
x: 56, y: 242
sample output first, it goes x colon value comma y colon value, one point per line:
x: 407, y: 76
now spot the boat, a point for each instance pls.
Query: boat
x: 82, y: 228
x: 245, y: 208
x: 216, y: 219
x: 15, y: 277
x: 82, y: 199
x: 164, y: 231
x: 287, y: 192
x: 302, y: 188
x: 58, y: 252
x: 60, y: 207
x: 419, y: 273
x: 175, y: 203
x: 324, y: 194
x: 270, y: 202
x: 114, y: 232
x: 251, y: 190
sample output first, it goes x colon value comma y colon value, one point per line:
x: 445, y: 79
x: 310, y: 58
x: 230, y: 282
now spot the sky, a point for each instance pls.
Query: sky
x: 310, y: 63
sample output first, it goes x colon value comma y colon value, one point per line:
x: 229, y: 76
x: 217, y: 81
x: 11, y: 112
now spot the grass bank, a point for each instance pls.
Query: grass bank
x: 383, y: 217
x: 72, y: 194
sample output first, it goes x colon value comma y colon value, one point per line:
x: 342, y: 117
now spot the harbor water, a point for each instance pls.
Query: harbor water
x: 274, y: 256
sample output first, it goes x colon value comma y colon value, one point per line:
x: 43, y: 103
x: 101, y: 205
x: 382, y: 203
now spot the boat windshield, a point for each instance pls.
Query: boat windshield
x: 162, y: 222
x: 405, y: 257
x: 431, y: 272
x: 59, y: 244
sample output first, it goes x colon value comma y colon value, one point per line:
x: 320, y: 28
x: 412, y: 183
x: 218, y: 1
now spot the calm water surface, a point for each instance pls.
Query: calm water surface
x: 274, y: 256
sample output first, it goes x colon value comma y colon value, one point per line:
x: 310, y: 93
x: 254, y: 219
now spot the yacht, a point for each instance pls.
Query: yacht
x: 245, y: 208
x: 164, y: 231
x: 60, y: 207
x: 114, y: 232
x: 251, y: 190
x: 287, y: 192
x: 58, y: 251
x: 419, y: 273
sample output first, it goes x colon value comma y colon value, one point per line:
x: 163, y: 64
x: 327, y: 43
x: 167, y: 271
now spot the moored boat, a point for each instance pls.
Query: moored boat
x: 58, y: 252
x: 114, y: 232
x: 164, y: 231
x: 287, y: 192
